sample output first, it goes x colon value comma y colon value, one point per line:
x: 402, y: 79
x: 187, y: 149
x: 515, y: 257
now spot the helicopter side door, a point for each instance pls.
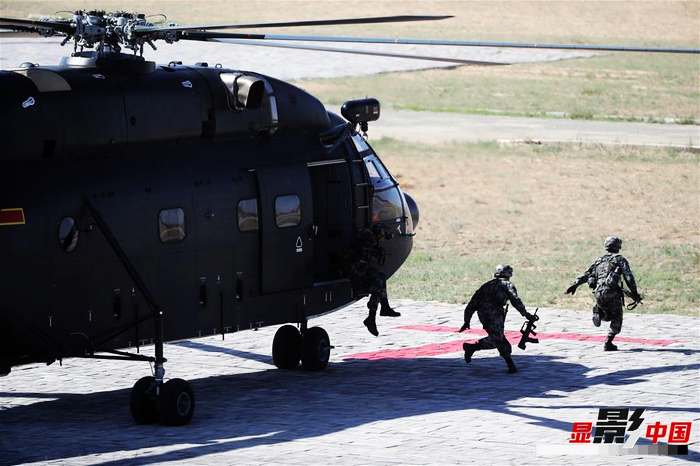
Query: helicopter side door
x: 286, y: 227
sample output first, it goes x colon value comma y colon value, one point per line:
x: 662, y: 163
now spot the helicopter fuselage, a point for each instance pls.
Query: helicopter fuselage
x: 233, y: 195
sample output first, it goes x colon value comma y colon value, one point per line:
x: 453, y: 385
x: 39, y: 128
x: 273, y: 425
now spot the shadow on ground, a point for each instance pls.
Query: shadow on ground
x: 275, y: 406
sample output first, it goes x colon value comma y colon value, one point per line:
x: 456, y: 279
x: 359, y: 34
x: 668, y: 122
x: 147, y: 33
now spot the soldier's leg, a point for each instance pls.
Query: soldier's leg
x: 386, y: 309
x: 493, y: 324
x: 505, y: 350
x: 470, y: 349
x: 371, y: 321
x: 596, y: 316
x: 496, y: 330
x: 615, y: 328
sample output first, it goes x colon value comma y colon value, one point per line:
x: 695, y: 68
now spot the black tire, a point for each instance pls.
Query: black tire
x: 175, y: 403
x: 286, y: 347
x: 315, y: 349
x: 143, y: 403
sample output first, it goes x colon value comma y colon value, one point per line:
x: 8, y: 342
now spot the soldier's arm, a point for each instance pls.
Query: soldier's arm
x: 515, y: 300
x: 471, y: 308
x: 629, y: 279
x: 581, y: 279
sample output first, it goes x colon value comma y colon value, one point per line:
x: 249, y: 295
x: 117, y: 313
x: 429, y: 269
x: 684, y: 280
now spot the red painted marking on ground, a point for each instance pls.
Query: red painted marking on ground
x: 436, y: 349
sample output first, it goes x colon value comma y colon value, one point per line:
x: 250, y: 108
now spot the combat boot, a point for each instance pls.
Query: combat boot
x: 596, y: 316
x: 386, y: 310
x: 470, y: 349
x: 609, y: 344
x: 511, y: 365
x: 371, y: 324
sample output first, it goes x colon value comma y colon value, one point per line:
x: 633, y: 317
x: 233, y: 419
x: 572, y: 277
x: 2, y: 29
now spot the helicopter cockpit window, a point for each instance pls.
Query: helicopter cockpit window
x: 248, y: 215
x: 171, y: 225
x: 387, y: 205
x: 287, y: 211
x: 379, y: 176
x: 68, y: 234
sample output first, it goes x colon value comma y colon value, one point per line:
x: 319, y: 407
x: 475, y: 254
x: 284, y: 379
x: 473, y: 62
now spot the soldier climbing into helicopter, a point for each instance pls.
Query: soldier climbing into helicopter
x: 605, y: 276
x: 489, y: 301
x: 362, y: 266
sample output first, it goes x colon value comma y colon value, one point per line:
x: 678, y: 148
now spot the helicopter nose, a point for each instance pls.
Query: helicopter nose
x: 413, y: 208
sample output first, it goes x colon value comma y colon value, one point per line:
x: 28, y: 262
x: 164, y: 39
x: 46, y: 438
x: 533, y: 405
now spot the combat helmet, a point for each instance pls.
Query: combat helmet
x: 503, y: 271
x: 613, y: 244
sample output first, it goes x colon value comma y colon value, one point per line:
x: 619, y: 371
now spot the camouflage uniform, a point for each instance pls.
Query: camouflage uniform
x: 605, y: 276
x: 489, y: 301
x: 359, y: 266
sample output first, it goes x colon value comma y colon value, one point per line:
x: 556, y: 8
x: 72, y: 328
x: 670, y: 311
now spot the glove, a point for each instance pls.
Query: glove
x: 571, y: 290
x: 531, y: 317
x: 464, y: 327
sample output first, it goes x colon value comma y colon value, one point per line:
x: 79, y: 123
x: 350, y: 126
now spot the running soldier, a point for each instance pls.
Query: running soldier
x: 489, y: 301
x: 604, y: 276
x: 362, y: 261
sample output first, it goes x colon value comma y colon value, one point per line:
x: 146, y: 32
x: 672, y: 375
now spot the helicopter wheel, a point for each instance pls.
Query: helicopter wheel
x: 175, y: 402
x: 315, y: 349
x: 142, y: 402
x: 286, y: 347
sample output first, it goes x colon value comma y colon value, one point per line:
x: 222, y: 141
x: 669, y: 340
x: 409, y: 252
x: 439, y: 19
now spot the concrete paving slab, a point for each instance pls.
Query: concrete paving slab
x: 405, y: 397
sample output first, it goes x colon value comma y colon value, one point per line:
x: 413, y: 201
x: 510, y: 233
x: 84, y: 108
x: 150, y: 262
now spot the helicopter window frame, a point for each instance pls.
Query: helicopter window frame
x: 177, y: 225
x: 68, y: 234
x: 360, y: 143
x: 248, y: 215
x: 287, y: 215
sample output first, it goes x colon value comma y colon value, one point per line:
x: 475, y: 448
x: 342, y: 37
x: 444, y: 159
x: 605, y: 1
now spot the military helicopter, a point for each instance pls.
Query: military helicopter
x: 144, y: 203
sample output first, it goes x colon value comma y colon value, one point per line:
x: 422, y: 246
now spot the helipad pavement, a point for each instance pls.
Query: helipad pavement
x: 405, y: 397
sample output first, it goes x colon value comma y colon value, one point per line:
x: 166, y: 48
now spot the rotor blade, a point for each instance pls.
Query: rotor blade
x: 371, y: 40
x: 325, y: 22
x: 350, y: 51
x: 34, y: 26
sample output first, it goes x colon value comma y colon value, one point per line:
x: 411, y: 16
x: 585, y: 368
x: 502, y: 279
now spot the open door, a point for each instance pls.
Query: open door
x: 286, y: 227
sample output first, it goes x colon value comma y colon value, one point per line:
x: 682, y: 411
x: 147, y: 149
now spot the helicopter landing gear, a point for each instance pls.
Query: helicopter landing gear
x: 315, y: 349
x: 171, y: 402
x: 142, y: 401
x: 175, y: 402
x: 286, y: 347
x: 312, y: 347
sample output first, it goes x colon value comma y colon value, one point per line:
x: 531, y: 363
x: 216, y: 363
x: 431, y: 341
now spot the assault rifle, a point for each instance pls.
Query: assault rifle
x: 528, y: 329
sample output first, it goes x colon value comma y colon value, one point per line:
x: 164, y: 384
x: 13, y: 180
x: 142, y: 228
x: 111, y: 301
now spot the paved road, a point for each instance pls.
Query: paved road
x: 429, y: 127
x: 406, y: 397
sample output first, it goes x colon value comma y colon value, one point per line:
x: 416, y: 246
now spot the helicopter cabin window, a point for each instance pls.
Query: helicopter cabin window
x: 287, y: 211
x: 171, y: 225
x: 248, y: 215
x: 68, y: 234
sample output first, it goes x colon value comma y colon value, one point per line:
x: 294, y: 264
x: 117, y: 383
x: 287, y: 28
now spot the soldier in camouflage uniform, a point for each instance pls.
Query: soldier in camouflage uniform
x: 361, y: 263
x: 489, y: 301
x: 605, y: 276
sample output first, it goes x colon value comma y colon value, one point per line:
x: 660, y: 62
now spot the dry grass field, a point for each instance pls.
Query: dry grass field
x: 544, y: 209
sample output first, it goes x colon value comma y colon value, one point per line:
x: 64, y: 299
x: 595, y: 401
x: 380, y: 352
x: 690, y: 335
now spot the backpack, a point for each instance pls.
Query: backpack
x: 608, y: 275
